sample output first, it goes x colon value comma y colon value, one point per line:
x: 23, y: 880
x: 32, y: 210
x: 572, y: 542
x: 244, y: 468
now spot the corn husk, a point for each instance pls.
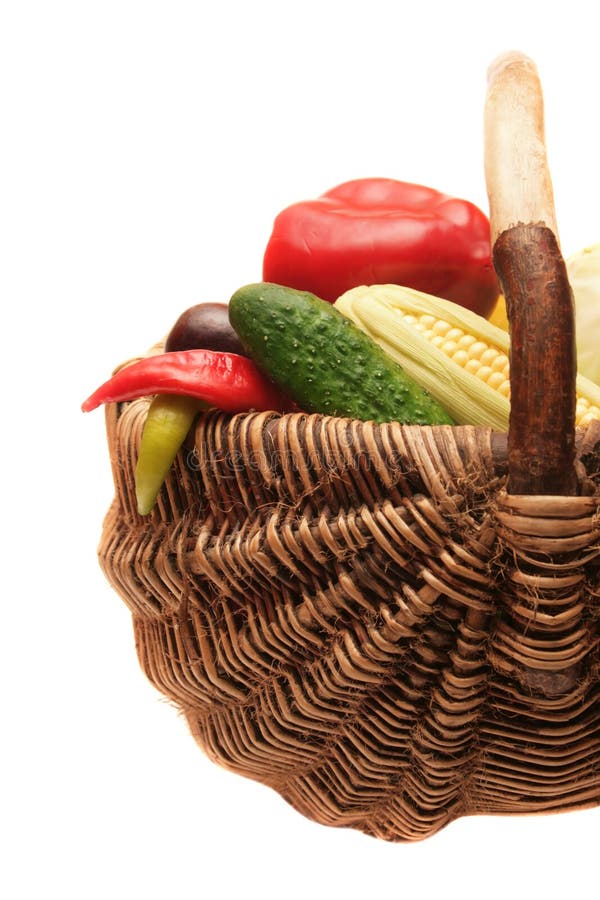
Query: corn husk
x: 379, y: 310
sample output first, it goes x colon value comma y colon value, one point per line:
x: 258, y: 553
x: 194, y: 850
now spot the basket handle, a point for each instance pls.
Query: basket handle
x: 533, y: 278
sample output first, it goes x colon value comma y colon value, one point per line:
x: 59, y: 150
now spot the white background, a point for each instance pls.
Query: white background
x: 145, y: 150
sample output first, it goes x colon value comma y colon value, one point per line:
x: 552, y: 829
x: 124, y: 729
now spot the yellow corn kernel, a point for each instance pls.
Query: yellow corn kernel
x: 585, y: 411
x: 500, y: 364
x: 454, y: 334
x: 449, y: 347
x: 489, y: 355
x: 466, y: 340
x: 473, y: 365
x: 459, y: 357
x: 440, y: 327
x: 477, y: 349
x: 495, y: 379
x: 483, y: 372
x: 478, y: 358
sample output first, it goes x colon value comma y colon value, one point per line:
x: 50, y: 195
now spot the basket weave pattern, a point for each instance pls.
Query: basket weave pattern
x: 362, y: 618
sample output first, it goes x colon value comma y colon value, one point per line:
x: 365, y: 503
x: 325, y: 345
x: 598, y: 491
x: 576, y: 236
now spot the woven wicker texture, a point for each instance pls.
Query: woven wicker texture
x: 360, y: 617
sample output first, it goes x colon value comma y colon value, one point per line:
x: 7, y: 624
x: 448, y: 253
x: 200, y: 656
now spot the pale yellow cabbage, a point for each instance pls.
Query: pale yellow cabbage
x: 584, y: 274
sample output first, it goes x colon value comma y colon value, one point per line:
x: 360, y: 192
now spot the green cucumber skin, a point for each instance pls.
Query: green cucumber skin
x: 323, y: 361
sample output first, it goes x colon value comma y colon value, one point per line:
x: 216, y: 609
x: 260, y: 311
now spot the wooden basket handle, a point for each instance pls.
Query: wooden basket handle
x: 533, y: 277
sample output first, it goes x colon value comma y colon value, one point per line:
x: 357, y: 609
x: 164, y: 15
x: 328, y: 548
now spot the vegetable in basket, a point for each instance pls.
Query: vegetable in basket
x: 379, y: 231
x: 170, y: 417
x: 584, y: 276
x: 323, y: 361
x: 226, y: 380
x: 205, y: 326
x: 167, y: 425
x: 460, y: 357
x: 186, y: 381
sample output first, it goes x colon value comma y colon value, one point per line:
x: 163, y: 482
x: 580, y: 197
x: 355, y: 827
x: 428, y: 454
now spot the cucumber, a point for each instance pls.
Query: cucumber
x: 323, y: 361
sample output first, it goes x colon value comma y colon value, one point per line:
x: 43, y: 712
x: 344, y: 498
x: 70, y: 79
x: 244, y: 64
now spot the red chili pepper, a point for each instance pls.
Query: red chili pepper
x: 225, y: 380
x: 381, y: 231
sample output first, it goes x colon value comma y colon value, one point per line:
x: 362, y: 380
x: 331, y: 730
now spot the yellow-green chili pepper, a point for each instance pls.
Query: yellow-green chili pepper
x: 169, y: 420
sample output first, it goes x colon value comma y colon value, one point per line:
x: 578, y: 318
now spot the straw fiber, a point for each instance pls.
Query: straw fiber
x: 362, y: 618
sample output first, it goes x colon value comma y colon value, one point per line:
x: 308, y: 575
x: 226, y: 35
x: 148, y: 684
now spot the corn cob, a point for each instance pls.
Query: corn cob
x: 458, y: 356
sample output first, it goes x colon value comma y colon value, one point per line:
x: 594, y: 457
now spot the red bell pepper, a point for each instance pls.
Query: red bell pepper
x: 381, y: 231
x: 225, y: 380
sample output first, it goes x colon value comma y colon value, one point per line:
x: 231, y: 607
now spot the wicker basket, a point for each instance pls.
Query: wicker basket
x: 390, y: 625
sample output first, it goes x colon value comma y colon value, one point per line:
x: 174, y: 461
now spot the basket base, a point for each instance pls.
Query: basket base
x: 361, y: 618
